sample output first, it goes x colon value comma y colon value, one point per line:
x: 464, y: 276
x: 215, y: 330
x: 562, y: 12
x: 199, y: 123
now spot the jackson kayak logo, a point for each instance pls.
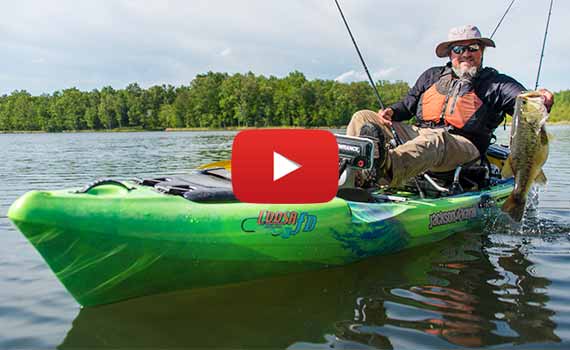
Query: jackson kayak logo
x: 452, y: 216
x: 281, y: 223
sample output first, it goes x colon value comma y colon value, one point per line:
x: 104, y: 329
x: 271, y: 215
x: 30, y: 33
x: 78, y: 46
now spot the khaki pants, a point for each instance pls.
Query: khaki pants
x: 423, y: 149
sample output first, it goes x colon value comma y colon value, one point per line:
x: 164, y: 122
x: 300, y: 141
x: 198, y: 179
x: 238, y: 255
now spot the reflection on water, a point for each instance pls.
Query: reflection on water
x: 487, y: 299
x: 467, y: 291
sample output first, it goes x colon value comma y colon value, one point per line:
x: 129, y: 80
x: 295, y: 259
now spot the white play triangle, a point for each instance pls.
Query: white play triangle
x: 282, y: 166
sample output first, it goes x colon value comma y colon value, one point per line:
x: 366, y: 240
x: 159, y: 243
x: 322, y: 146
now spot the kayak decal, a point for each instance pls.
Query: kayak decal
x: 377, y: 238
x: 452, y: 216
x: 267, y: 217
x: 244, y: 224
x: 281, y: 223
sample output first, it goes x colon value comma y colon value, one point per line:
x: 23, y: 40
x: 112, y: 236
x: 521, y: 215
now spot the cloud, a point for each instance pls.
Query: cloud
x: 352, y: 75
x: 93, y: 43
x: 346, y: 76
x: 226, y: 52
x: 385, y: 73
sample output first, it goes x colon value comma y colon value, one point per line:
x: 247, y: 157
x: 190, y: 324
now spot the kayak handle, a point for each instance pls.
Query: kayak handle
x: 102, y: 182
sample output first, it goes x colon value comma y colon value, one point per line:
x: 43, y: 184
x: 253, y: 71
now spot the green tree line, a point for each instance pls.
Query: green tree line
x: 211, y: 100
x: 561, y: 109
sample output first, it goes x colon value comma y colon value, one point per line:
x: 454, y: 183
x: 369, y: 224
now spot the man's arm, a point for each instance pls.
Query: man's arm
x: 506, y: 89
x: 501, y: 92
x: 504, y: 93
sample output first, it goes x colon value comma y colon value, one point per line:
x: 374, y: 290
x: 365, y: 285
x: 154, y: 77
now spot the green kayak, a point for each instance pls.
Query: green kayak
x: 114, y: 240
x: 117, y: 240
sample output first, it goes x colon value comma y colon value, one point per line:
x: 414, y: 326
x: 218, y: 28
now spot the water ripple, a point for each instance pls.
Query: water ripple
x: 505, y: 288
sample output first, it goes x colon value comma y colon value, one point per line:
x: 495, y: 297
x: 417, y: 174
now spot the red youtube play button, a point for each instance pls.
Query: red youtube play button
x: 285, y: 166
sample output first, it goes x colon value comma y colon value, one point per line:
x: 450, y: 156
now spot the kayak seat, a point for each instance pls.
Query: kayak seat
x: 477, y: 174
x: 471, y: 177
x: 203, y: 186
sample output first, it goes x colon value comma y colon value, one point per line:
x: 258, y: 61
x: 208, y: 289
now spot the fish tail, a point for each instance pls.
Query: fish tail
x: 514, y: 206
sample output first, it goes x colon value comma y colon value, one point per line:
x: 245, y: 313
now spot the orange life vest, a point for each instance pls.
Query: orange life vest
x: 449, y: 101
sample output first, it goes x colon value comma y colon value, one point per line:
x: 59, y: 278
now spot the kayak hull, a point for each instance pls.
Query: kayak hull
x: 118, y: 242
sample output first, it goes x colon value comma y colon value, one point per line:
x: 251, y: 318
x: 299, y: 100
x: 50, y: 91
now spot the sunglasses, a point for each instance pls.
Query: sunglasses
x: 459, y: 49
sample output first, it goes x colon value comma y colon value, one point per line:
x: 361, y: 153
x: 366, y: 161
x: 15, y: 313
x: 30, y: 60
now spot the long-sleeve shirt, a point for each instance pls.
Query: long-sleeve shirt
x: 497, y: 91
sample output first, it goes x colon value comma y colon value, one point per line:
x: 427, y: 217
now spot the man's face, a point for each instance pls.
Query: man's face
x: 468, y: 59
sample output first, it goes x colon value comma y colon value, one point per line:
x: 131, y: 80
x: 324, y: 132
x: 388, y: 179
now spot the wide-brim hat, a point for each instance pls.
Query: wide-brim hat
x: 466, y: 32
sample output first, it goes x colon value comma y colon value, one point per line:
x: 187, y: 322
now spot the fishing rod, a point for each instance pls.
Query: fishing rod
x: 543, y: 45
x: 396, y: 137
x: 502, y: 18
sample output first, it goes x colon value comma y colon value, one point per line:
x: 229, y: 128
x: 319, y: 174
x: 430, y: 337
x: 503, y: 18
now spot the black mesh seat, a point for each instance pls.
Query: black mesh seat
x: 205, y: 186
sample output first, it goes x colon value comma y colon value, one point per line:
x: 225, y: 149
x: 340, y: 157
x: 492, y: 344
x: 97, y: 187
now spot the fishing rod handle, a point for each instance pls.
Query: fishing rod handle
x: 396, y: 137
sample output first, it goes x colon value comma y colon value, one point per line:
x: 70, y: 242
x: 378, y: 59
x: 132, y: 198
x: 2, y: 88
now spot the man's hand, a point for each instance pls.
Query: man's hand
x: 385, y: 116
x: 548, y: 98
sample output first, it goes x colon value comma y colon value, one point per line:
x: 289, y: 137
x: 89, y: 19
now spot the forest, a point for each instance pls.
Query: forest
x: 211, y: 100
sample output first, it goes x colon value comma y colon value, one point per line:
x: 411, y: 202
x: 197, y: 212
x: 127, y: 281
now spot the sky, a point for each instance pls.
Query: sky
x: 50, y: 45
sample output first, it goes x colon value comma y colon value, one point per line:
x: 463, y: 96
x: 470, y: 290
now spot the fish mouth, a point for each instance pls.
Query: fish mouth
x: 530, y: 95
x: 532, y: 98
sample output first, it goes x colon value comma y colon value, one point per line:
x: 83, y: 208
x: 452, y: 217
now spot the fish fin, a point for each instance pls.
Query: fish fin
x: 514, y: 207
x: 507, y: 170
x: 544, y: 137
x: 541, y: 178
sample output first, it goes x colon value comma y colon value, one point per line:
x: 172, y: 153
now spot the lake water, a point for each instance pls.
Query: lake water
x: 505, y: 287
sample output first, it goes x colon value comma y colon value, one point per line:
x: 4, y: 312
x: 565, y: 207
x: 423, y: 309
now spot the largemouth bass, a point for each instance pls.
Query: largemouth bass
x: 529, y: 151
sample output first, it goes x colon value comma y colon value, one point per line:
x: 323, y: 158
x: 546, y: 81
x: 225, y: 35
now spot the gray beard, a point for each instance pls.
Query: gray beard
x: 465, y: 73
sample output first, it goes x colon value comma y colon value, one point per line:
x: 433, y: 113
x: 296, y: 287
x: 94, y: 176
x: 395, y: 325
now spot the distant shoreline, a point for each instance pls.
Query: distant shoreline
x: 562, y: 122
x: 75, y: 131
x: 164, y: 130
x: 235, y: 128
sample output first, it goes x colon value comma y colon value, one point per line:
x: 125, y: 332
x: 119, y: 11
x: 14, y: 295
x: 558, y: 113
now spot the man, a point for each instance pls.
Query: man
x: 457, y: 106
